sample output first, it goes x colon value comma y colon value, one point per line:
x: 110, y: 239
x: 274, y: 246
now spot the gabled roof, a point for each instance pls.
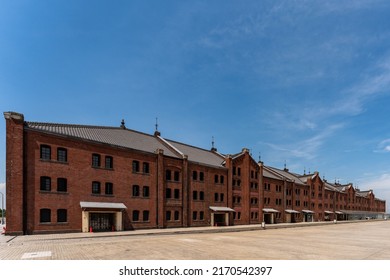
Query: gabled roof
x: 115, y: 136
x: 332, y: 187
x: 286, y: 174
x: 127, y: 138
x: 270, y: 174
x: 198, y: 155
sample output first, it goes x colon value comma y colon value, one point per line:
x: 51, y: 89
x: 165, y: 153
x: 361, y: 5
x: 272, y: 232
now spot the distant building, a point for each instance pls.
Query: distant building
x: 80, y: 178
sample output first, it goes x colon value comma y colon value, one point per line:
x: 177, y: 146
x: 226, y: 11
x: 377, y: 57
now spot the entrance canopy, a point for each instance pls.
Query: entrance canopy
x: 270, y: 210
x: 339, y: 212
x: 221, y: 209
x: 102, y: 205
x: 290, y: 211
x: 308, y: 211
x: 328, y: 212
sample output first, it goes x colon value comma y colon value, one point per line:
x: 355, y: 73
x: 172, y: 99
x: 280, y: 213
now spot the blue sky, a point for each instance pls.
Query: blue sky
x: 306, y: 83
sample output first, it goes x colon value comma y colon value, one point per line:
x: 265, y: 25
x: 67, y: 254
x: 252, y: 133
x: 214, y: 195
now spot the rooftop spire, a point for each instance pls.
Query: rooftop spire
x: 213, y: 149
x: 156, y: 132
x: 123, y: 124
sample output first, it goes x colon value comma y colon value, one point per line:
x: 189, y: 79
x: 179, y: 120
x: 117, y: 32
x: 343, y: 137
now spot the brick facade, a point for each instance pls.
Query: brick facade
x: 63, y: 178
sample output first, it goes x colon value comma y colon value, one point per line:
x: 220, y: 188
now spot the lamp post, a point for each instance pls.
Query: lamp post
x: 2, y: 208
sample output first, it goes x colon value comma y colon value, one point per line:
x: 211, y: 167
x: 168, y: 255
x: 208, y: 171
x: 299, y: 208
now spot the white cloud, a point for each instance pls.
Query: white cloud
x: 383, y: 146
x: 380, y: 185
x: 308, y: 148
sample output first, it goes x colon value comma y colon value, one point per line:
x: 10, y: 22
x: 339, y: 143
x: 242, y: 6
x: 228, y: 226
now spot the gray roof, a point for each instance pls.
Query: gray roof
x: 267, y: 173
x: 198, y: 155
x: 116, y: 136
x: 126, y: 138
x: 289, y: 176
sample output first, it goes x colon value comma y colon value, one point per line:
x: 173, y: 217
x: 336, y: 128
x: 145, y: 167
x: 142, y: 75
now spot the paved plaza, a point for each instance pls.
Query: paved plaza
x: 366, y: 240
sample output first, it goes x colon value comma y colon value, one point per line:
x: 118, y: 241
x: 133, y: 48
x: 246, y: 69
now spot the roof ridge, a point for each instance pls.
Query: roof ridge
x: 86, y: 126
x: 192, y: 146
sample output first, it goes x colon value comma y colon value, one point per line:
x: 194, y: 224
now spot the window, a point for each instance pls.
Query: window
x: 168, y: 175
x: 239, y: 171
x: 215, y: 178
x: 62, y: 185
x: 168, y: 215
x: 194, y: 215
x: 177, y: 215
x: 109, y: 164
x: 194, y: 195
x: 145, y: 191
x: 136, y: 190
x: 201, y: 176
x: 194, y: 175
x: 176, y: 176
x: 145, y: 168
x: 95, y: 187
x: 145, y: 216
x: 135, y: 166
x: 45, y: 152
x: 177, y: 193
x: 201, y: 215
x: 95, y: 160
x: 135, y: 216
x: 201, y: 195
x: 216, y: 196
x: 44, y: 215
x: 221, y: 179
x: 62, y: 155
x: 62, y: 216
x: 168, y: 193
x: 109, y: 188
x: 45, y: 184
x: 221, y: 197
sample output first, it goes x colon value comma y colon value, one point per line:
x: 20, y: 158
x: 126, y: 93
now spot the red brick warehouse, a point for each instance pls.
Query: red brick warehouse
x: 73, y: 178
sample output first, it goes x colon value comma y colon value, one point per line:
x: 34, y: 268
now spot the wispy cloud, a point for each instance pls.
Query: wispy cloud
x: 381, y: 186
x: 383, y: 146
x: 307, y: 149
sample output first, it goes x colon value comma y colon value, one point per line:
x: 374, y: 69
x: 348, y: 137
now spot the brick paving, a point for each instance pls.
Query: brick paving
x: 308, y: 241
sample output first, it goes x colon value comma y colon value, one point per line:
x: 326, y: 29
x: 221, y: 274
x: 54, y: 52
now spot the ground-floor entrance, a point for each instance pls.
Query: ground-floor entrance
x: 220, y: 216
x: 101, y: 222
x: 100, y: 216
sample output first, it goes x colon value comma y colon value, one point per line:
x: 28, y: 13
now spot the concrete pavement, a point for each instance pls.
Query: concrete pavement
x: 319, y: 240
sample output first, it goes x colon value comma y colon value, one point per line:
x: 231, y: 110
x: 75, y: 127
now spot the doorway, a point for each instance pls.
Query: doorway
x: 101, y: 221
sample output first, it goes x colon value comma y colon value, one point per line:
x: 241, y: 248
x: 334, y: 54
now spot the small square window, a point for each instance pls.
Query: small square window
x: 145, y: 191
x: 45, y: 184
x: 109, y: 188
x: 109, y: 164
x: 145, y: 216
x: 62, y: 216
x: 45, y: 152
x: 44, y: 215
x: 145, y: 168
x: 95, y: 187
x: 136, y: 190
x: 62, y: 185
x: 135, y: 216
x: 135, y: 166
x: 95, y: 160
x: 62, y: 155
